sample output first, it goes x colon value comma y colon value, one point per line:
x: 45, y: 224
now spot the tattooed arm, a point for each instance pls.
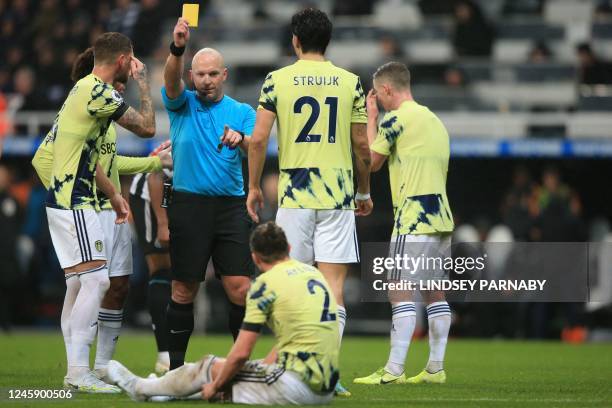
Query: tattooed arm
x: 140, y: 122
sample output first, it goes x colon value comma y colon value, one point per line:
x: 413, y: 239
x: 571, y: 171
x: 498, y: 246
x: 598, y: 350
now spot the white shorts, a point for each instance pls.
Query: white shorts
x: 260, y: 384
x: 118, y: 244
x: 320, y: 235
x: 77, y: 236
x: 429, y: 250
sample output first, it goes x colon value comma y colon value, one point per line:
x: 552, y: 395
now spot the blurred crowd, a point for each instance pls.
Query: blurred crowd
x: 39, y: 39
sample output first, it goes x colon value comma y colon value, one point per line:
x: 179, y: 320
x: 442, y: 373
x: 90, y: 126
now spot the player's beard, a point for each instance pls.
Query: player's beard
x: 122, y: 76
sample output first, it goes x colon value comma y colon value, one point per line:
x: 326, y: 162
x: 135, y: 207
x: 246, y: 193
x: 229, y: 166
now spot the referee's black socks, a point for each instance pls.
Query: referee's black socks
x: 236, y: 315
x: 158, y: 298
x: 179, y: 319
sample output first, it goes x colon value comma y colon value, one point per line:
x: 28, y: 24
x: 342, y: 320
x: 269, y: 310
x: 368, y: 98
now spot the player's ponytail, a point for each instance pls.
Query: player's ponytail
x: 83, y: 65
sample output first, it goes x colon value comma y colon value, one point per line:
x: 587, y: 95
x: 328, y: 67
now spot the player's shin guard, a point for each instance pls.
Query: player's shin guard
x: 236, y: 315
x: 439, y: 318
x: 158, y: 298
x: 84, y: 317
x: 402, y: 328
x: 179, y: 318
x: 72, y: 289
x: 109, y: 328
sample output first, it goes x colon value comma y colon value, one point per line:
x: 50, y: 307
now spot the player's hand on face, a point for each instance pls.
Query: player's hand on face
x: 181, y: 33
x: 230, y: 137
x: 165, y: 156
x: 121, y: 208
x: 138, y: 70
x: 255, y: 202
x: 372, y: 104
x: 364, y: 207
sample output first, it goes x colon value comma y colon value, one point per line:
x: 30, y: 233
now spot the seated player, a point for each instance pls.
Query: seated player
x: 295, y: 301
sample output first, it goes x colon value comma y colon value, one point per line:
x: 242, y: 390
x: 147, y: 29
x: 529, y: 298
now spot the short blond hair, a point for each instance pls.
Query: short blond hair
x: 396, y: 73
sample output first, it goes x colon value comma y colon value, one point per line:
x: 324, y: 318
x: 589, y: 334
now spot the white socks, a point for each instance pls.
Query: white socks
x: 439, y: 317
x: 402, y: 329
x: 72, y: 289
x: 341, y: 321
x: 83, y: 320
x: 180, y: 382
x: 109, y: 326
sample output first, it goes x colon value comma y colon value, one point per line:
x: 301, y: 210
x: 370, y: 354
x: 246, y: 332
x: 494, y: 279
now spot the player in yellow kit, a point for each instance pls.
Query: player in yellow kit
x: 295, y: 302
x: 320, y: 114
x: 117, y: 236
x: 75, y: 173
x: 417, y: 147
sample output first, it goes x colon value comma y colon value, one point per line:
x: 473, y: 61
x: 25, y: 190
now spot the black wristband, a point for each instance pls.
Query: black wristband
x: 241, y: 135
x: 176, y: 51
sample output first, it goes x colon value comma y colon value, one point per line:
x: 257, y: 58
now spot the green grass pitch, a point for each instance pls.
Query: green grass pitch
x: 480, y: 373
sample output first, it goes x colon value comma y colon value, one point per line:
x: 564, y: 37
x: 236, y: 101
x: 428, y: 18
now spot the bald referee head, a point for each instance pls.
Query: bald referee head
x: 208, y: 73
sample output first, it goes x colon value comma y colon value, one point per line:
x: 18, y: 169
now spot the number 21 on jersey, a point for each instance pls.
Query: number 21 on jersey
x: 315, y: 109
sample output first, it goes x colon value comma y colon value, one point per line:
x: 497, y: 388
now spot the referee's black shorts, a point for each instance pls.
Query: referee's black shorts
x: 203, y: 226
x: 145, y: 222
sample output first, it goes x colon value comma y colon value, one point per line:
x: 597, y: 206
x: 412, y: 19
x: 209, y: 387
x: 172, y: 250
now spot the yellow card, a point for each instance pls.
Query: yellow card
x: 190, y: 13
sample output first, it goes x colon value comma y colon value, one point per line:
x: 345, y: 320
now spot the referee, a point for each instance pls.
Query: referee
x: 207, y: 215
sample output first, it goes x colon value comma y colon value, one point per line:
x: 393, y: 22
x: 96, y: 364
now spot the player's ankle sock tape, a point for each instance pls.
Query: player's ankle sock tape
x: 438, y: 309
x: 236, y: 315
x: 157, y: 301
x: 402, y: 309
x: 179, y: 320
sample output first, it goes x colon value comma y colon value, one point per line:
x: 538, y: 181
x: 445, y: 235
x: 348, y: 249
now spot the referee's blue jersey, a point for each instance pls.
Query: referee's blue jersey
x: 196, y: 127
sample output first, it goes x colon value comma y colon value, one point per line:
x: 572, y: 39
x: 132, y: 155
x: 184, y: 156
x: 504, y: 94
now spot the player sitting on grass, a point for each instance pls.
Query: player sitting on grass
x: 296, y: 302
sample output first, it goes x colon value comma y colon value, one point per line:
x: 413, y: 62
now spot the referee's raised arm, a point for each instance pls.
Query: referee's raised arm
x: 173, y: 70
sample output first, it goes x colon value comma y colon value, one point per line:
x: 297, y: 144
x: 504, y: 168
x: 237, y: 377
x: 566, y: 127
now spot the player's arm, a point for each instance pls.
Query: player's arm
x: 377, y: 159
x: 238, y: 355
x: 142, y: 121
x: 257, y: 158
x: 118, y: 203
x: 133, y: 165
x: 362, y: 164
x: 43, y: 168
x: 173, y: 70
x: 156, y: 193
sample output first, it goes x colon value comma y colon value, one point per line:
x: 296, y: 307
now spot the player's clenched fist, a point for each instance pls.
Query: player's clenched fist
x: 181, y: 32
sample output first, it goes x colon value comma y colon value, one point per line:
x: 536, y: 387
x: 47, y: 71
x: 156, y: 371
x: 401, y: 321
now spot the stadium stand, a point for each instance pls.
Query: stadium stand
x: 515, y: 103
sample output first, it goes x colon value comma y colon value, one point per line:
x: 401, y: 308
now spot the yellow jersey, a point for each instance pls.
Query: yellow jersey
x: 77, y: 133
x: 315, y: 103
x: 113, y: 165
x: 296, y: 302
x: 418, y: 147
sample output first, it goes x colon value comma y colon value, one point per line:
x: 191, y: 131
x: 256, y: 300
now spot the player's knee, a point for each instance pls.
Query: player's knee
x: 118, y: 291
x: 184, y: 292
x: 237, y: 290
x: 95, y: 280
